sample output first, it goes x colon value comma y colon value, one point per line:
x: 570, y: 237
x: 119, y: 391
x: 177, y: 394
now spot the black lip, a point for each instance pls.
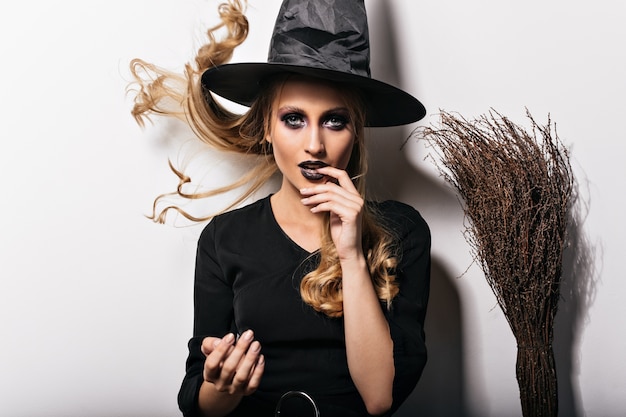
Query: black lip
x: 309, y: 169
x: 312, y: 164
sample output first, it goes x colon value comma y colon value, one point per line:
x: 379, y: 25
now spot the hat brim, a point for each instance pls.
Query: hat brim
x: 385, y: 104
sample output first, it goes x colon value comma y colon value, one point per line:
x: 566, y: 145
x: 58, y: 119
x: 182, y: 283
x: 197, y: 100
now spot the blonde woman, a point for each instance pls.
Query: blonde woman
x: 314, y: 288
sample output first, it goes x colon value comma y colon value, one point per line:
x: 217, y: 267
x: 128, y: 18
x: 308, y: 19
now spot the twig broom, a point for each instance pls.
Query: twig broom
x: 515, y: 187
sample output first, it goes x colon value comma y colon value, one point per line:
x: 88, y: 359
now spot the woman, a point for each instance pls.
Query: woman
x: 312, y: 288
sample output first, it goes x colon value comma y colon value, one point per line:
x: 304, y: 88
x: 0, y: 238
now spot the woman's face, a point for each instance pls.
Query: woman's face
x: 310, y: 126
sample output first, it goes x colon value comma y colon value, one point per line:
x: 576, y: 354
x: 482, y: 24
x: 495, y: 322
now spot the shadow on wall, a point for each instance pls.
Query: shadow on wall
x: 578, y: 288
x: 440, y: 391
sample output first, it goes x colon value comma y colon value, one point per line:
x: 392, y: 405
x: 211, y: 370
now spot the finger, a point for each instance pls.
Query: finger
x: 329, y: 189
x: 255, y: 378
x: 331, y: 192
x: 231, y: 363
x: 214, y: 361
x: 345, y: 206
x: 340, y: 175
x: 209, y: 344
x: 246, y: 366
x: 317, y: 195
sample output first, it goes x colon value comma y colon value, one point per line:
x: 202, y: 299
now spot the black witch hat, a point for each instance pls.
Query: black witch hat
x: 327, y: 39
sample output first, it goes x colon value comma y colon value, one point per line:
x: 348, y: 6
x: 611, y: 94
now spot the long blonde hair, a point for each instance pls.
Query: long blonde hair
x: 165, y: 93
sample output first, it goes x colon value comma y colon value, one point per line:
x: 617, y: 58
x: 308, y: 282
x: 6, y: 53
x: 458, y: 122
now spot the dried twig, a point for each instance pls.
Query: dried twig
x: 515, y: 188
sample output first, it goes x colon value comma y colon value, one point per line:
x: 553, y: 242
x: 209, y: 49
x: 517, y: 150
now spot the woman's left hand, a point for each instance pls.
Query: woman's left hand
x: 340, y: 198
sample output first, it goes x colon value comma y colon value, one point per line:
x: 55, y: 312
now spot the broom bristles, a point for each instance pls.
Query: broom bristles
x: 515, y: 187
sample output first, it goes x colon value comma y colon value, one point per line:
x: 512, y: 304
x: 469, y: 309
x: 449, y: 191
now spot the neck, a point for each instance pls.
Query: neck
x: 296, y: 220
x: 287, y: 205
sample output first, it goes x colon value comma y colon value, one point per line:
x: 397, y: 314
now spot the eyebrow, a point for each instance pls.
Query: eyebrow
x: 295, y: 109
x: 286, y: 109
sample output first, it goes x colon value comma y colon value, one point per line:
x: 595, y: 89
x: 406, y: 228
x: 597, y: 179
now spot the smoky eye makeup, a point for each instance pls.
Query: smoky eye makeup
x: 292, y: 120
x: 291, y: 117
x: 336, y: 121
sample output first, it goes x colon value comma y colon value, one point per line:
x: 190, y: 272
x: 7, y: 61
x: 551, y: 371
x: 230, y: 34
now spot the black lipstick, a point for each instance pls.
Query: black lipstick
x: 309, y: 169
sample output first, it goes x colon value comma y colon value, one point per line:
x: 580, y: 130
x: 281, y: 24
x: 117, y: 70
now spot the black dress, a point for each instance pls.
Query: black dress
x: 248, y: 273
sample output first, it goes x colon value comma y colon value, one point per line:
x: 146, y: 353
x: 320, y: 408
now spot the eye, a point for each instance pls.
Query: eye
x: 293, y: 120
x: 336, y: 122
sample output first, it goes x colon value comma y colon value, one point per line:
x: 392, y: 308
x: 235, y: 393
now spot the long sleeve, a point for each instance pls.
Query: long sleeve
x: 213, y: 316
x: 247, y: 276
x: 408, y: 310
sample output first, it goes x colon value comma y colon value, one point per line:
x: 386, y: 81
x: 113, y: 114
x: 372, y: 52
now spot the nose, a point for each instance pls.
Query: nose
x: 315, y: 143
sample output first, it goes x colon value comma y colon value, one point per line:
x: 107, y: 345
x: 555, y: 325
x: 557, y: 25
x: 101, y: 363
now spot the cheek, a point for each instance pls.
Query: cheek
x: 346, y: 153
x: 282, y: 149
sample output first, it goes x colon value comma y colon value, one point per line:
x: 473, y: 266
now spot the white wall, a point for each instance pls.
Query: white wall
x: 95, y: 300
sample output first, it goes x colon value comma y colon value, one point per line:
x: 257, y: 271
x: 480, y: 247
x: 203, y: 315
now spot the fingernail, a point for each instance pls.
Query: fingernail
x: 255, y: 347
x: 228, y: 338
x: 261, y: 360
x: 247, y: 335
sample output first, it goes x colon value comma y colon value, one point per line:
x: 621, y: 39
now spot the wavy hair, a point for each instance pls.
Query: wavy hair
x: 165, y: 93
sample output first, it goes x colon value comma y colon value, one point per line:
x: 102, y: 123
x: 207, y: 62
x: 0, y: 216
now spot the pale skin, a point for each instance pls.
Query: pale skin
x: 310, y: 123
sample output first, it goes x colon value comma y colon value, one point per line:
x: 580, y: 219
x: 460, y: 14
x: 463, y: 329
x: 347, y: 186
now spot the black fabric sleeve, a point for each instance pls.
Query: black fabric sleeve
x: 213, y: 315
x: 408, y: 310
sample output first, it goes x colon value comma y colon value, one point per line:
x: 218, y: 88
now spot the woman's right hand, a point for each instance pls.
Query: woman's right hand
x: 233, y: 367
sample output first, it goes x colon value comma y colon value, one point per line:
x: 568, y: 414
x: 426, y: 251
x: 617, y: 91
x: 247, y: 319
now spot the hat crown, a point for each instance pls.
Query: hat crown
x: 325, y: 34
x: 327, y: 39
